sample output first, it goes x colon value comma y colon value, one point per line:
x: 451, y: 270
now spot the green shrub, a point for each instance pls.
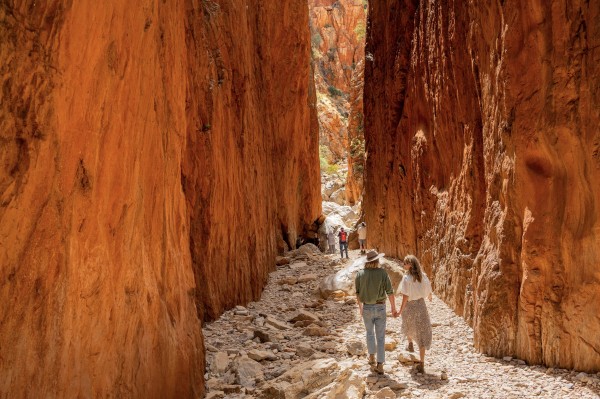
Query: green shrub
x: 360, y: 30
x: 357, y: 148
x: 334, y: 91
x: 316, y: 39
x: 332, y: 169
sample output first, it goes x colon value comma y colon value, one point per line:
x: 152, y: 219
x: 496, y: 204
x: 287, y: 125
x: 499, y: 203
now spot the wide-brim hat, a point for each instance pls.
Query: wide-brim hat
x: 371, y: 256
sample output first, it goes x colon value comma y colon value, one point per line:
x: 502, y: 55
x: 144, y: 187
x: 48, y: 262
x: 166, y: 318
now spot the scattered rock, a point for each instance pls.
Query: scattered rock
x: 407, y: 357
x: 356, y: 348
x: 385, y: 393
x: 215, y: 395
x: 282, y: 260
x: 262, y: 336
x: 220, y: 363
x: 315, y: 331
x: 288, y: 281
x: 247, y: 371
x: 307, y: 277
x: 390, y: 344
x: 277, y: 324
x: 259, y: 356
x: 304, y: 315
x: 298, y: 265
x: 304, y: 350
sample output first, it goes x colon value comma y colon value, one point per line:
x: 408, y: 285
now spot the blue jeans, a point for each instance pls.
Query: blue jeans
x: 344, y: 246
x: 374, y: 317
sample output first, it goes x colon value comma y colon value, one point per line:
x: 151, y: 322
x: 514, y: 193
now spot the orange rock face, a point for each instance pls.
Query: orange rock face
x: 483, y: 144
x: 251, y: 168
x: 337, y: 34
x: 356, y: 138
x: 150, y: 158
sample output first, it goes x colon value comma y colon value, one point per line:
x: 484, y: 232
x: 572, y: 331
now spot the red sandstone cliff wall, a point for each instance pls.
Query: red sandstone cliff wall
x: 356, y: 137
x: 131, y: 132
x: 483, y: 157
x: 252, y: 165
x: 337, y: 35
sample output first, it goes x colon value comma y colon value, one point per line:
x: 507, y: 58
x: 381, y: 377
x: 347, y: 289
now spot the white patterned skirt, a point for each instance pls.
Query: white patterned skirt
x: 416, y: 323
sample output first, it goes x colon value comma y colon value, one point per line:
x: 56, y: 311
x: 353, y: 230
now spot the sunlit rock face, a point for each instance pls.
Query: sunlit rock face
x: 338, y: 40
x: 483, y: 157
x: 150, y: 158
x: 356, y: 137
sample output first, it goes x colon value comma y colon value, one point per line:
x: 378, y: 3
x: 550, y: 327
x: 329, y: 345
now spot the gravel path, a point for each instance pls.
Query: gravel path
x: 469, y: 374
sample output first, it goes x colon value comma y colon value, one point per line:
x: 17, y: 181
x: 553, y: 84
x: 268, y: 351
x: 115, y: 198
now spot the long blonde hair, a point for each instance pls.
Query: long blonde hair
x: 374, y: 264
x: 415, y: 267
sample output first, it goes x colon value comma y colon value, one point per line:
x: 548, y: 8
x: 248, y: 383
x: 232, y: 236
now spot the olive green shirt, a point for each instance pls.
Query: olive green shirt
x: 373, y: 285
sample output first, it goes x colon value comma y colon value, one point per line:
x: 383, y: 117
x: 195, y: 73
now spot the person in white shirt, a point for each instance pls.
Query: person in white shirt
x: 362, y: 237
x: 331, y: 241
x: 416, y: 324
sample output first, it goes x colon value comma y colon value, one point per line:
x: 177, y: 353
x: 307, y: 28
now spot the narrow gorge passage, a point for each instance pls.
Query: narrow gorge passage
x: 292, y: 343
x: 156, y: 157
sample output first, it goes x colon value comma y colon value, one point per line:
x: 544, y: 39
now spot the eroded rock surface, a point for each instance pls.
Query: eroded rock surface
x: 338, y: 41
x: 483, y: 144
x: 149, y: 160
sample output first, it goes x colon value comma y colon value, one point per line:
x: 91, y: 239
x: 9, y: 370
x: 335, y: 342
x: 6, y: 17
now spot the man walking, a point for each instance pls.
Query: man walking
x: 343, y: 236
x: 372, y: 286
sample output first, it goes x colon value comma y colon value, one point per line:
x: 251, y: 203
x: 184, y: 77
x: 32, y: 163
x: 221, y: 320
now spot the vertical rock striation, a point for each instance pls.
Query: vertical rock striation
x: 483, y: 156
x: 356, y: 137
x: 251, y: 168
x: 151, y: 154
x: 337, y: 37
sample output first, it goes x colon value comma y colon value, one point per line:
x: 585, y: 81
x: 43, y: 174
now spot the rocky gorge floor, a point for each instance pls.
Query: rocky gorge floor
x: 293, y: 343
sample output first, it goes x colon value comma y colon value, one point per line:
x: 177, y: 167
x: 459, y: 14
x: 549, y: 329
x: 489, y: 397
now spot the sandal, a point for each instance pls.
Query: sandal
x: 410, y: 347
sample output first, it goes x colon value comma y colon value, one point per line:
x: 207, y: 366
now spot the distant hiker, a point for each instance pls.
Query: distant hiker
x: 331, y: 241
x: 416, y: 325
x: 343, y: 235
x: 362, y: 237
x: 372, y: 286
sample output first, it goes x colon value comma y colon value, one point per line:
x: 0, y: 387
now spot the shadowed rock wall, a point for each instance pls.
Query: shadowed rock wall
x: 251, y: 166
x: 150, y: 154
x: 483, y: 157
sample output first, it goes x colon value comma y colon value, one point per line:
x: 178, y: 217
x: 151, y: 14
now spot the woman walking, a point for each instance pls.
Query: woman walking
x: 416, y: 325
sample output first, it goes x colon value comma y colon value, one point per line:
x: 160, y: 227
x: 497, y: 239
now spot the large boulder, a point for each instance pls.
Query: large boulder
x: 302, y: 379
x: 343, y: 280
